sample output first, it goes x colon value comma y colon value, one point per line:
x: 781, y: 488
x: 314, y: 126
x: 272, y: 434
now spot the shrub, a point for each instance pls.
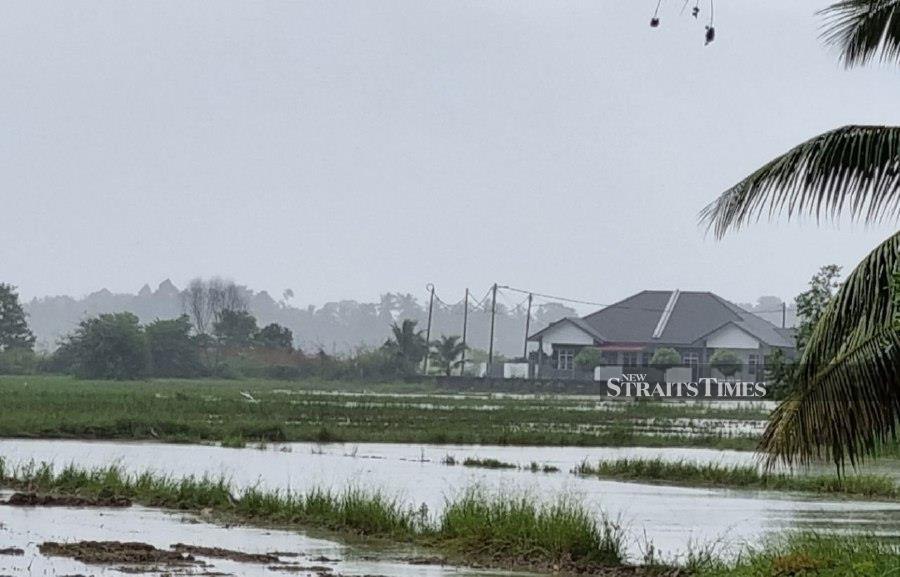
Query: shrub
x: 665, y: 358
x: 588, y: 358
x: 726, y: 362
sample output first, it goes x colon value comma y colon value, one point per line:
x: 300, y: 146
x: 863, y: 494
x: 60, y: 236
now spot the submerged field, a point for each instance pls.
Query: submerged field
x: 242, y: 411
x: 504, y: 531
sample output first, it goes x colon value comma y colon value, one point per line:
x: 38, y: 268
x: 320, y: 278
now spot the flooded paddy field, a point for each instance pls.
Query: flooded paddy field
x: 251, y: 411
x: 674, y: 519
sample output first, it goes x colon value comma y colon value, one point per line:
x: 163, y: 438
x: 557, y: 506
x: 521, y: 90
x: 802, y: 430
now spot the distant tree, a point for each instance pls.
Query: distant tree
x: 812, y: 302
x: 110, y: 346
x: 588, y: 358
x: 205, y: 301
x: 665, y: 358
x: 726, y: 362
x: 407, y: 347
x: 194, y: 302
x: 782, y: 373
x: 173, y: 351
x: 274, y: 336
x: 447, y: 352
x: 779, y: 374
x: 235, y: 328
x: 14, y: 331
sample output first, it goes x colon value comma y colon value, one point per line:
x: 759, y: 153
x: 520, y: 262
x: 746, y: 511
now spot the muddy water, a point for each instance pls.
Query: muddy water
x: 26, y: 528
x: 673, y: 518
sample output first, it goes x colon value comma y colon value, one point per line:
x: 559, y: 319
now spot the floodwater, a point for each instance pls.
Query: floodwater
x: 26, y: 528
x: 674, y: 519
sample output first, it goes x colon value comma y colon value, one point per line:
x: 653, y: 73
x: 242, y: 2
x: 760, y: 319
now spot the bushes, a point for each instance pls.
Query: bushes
x: 173, y: 352
x: 110, y: 346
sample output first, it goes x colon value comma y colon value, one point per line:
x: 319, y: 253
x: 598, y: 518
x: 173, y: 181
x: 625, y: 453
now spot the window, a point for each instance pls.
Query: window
x: 565, y: 359
x: 691, y: 360
x: 629, y: 359
x: 753, y: 364
x: 646, y: 358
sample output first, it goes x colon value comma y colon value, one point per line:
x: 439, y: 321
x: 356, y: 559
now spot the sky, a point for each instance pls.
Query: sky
x: 343, y: 149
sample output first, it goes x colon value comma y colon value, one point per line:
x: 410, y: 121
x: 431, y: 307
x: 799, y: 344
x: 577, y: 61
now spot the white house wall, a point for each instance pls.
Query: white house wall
x: 566, y: 333
x: 731, y: 337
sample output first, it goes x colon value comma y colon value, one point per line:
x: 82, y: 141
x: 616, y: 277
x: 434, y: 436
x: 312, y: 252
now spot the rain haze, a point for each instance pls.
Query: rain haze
x: 344, y: 149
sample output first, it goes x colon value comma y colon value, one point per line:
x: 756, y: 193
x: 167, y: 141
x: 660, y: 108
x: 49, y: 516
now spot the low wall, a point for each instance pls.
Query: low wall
x: 524, y: 386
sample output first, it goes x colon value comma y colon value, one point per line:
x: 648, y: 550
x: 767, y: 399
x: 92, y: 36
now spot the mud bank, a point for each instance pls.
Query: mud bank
x: 38, y: 500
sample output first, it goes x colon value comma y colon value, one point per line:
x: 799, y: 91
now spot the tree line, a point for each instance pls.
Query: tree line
x: 338, y: 327
x: 216, y: 336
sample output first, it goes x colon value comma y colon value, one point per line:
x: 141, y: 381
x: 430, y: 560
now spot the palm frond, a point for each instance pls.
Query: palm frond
x: 846, y: 402
x: 863, y: 30
x: 854, y: 168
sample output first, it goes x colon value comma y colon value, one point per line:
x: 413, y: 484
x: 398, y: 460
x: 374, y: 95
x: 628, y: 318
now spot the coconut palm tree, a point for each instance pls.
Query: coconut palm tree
x: 846, y: 403
x: 408, y: 346
x: 446, y: 353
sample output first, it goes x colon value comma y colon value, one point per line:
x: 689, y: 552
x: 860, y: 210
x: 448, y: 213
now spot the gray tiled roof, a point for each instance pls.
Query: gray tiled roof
x: 695, y: 316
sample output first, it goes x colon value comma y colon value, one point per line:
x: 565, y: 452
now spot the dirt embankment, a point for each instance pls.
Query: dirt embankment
x: 219, y: 553
x: 38, y: 500
x: 115, y: 552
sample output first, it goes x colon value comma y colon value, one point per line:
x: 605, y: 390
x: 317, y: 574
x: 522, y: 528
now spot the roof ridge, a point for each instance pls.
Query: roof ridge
x: 619, y: 302
x: 727, y: 304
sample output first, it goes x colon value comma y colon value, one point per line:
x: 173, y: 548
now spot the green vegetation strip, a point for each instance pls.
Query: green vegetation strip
x: 496, y: 530
x: 739, y: 476
x: 811, y: 555
x: 279, y: 411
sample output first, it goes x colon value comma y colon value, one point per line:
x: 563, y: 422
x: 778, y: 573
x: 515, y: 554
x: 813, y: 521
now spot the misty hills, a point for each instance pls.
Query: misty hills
x: 336, y: 327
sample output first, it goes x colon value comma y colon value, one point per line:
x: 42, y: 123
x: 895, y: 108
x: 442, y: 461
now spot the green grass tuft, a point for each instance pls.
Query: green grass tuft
x: 561, y: 533
x: 487, y: 463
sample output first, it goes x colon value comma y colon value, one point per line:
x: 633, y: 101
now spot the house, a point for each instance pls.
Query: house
x: 627, y: 333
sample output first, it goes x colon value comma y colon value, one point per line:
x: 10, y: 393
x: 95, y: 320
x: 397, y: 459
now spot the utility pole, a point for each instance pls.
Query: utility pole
x: 462, y: 366
x: 428, y: 331
x: 783, y: 314
x: 493, y: 314
x: 527, y: 328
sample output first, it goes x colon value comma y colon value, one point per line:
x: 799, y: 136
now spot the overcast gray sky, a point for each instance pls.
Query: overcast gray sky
x: 344, y: 149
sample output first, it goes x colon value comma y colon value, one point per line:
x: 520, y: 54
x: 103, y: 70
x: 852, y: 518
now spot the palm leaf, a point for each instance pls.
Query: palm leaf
x: 855, y: 168
x: 846, y: 403
x: 863, y: 30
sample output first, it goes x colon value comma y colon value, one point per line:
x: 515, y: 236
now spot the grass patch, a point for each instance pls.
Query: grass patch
x: 502, y: 531
x: 536, y: 467
x: 738, y: 476
x: 562, y: 533
x: 811, y: 555
x: 487, y: 463
x: 234, y: 443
